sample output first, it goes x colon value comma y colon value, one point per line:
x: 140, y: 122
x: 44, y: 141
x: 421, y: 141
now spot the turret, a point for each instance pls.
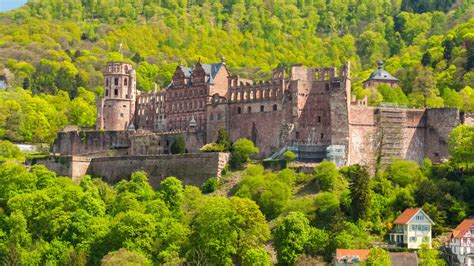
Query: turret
x: 116, y: 110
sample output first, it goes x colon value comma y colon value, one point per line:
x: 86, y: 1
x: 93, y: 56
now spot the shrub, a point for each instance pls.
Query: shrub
x: 178, y: 146
x: 210, y: 185
x: 241, y: 151
x: 289, y: 156
x: 213, y: 147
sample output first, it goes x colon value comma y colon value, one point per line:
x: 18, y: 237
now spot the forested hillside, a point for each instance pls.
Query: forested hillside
x: 49, y: 46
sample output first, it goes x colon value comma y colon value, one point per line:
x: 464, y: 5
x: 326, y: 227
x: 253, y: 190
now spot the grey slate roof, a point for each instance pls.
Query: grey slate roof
x: 210, y: 69
x: 381, y: 74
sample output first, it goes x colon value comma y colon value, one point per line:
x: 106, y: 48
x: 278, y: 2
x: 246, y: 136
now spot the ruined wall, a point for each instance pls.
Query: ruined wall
x: 362, y: 131
x: 218, y: 117
x: 414, y: 135
x: 91, y: 142
x: 192, y: 169
x: 440, y: 122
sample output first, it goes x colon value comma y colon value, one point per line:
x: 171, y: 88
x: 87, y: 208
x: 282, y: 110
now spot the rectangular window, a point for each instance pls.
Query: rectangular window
x: 219, y: 116
x: 413, y: 227
x: 319, y: 119
x: 116, y: 81
x: 116, y: 92
x: 420, y: 228
x: 412, y: 239
x: 426, y: 228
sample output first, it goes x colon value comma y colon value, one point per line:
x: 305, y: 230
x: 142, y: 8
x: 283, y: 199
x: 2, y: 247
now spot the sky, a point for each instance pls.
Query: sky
x: 10, y: 4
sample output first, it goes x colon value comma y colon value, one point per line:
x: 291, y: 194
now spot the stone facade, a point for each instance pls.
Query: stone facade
x: 303, y: 109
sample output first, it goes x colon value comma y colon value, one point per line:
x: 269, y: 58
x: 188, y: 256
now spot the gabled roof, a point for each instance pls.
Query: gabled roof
x: 408, y: 214
x: 381, y: 74
x: 462, y: 228
x: 349, y: 253
x: 210, y: 69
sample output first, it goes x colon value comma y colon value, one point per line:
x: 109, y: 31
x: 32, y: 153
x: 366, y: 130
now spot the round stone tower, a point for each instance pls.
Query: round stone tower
x: 116, y: 110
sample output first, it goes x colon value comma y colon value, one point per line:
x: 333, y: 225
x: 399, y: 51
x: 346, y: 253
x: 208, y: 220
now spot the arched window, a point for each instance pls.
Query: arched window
x: 275, y: 107
x: 249, y: 109
x: 239, y: 110
x: 125, y: 82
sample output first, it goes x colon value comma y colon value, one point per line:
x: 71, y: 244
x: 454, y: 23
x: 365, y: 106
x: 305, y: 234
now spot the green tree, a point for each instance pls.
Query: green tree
x: 429, y: 256
x: 290, y: 236
x: 172, y: 192
x: 326, y: 175
x: 241, y: 151
x: 378, y: 256
x: 424, y: 92
x: 124, y: 257
x: 289, y: 156
x: 359, y: 190
x: 178, y: 146
x: 461, y: 145
x: 404, y: 173
x: 224, y: 139
x: 256, y: 257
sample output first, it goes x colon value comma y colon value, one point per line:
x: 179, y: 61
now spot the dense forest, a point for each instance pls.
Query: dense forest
x: 49, y: 46
x: 300, y: 218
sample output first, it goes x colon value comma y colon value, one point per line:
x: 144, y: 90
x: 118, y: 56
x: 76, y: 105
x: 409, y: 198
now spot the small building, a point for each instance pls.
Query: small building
x: 350, y: 256
x: 412, y: 228
x: 461, y: 243
x: 380, y: 76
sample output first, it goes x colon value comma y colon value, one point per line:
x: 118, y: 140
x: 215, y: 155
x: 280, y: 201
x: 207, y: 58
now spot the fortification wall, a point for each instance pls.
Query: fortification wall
x: 91, y: 142
x: 362, y: 132
x: 192, y: 169
x: 439, y: 124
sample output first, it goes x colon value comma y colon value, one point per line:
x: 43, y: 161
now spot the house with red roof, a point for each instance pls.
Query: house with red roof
x: 411, y: 229
x: 350, y: 256
x: 461, y: 243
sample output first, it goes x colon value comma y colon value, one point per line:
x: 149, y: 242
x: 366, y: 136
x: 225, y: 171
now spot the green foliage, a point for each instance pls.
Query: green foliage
x: 124, y: 257
x: 178, y: 146
x: 8, y: 151
x: 241, y: 151
x: 223, y: 139
x: 172, y: 192
x: 404, y: 173
x: 210, y: 185
x: 212, y: 147
x: 461, y: 145
x: 429, y: 256
x: 378, y: 256
x: 289, y: 156
x: 290, y: 236
x: 256, y: 257
x: 359, y: 190
x: 326, y: 175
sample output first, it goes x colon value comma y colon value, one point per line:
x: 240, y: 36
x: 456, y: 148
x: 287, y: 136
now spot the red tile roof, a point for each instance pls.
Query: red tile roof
x: 361, y: 253
x: 406, y: 216
x: 462, y: 228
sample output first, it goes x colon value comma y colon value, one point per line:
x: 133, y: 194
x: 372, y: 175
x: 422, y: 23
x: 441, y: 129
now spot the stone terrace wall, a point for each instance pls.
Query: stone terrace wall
x: 91, y: 142
x: 192, y: 169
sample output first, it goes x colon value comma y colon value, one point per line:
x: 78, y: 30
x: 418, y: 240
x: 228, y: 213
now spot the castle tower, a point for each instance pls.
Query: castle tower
x: 116, y: 110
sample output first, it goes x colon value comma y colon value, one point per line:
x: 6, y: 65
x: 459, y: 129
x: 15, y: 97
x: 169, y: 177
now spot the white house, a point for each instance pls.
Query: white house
x: 461, y: 242
x: 412, y: 228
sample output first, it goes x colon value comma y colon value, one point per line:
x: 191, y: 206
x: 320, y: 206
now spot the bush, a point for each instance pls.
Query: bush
x: 289, y: 156
x: 326, y: 174
x: 8, y: 151
x: 213, y: 147
x: 178, y: 146
x: 241, y: 151
x: 209, y: 186
x: 256, y: 257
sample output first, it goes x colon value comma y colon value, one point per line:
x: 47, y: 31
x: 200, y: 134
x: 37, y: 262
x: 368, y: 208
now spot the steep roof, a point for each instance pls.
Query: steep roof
x: 381, y: 74
x: 210, y: 69
x: 348, y: 253
x: 463, y: 227
x: 408, y: 214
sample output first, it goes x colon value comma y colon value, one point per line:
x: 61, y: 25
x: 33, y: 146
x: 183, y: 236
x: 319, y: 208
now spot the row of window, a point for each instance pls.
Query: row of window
x: 420, y: 227
x: 186, y: 106
x: 116, y: 82
x: 425, y: 239
x: 117, y: 68
x: 262, y: 109
x: 187, y: 93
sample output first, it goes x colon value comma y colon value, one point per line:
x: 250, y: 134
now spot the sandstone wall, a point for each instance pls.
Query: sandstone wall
x: 192, y: 169
x: 440, y: 122
x: 91, y: 142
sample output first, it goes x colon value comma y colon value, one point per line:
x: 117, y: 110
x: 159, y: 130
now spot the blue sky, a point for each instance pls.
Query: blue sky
x: 10, y: 4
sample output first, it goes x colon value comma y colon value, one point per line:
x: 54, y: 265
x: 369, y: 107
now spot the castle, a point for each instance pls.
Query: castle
x: 309, y: 111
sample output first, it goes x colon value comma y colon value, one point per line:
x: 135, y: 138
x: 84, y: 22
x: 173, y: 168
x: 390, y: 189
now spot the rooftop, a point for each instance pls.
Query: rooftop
x: 362, y: 254
x: 406, y: 215
x: 381, y: 74
x: 463, y: 227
